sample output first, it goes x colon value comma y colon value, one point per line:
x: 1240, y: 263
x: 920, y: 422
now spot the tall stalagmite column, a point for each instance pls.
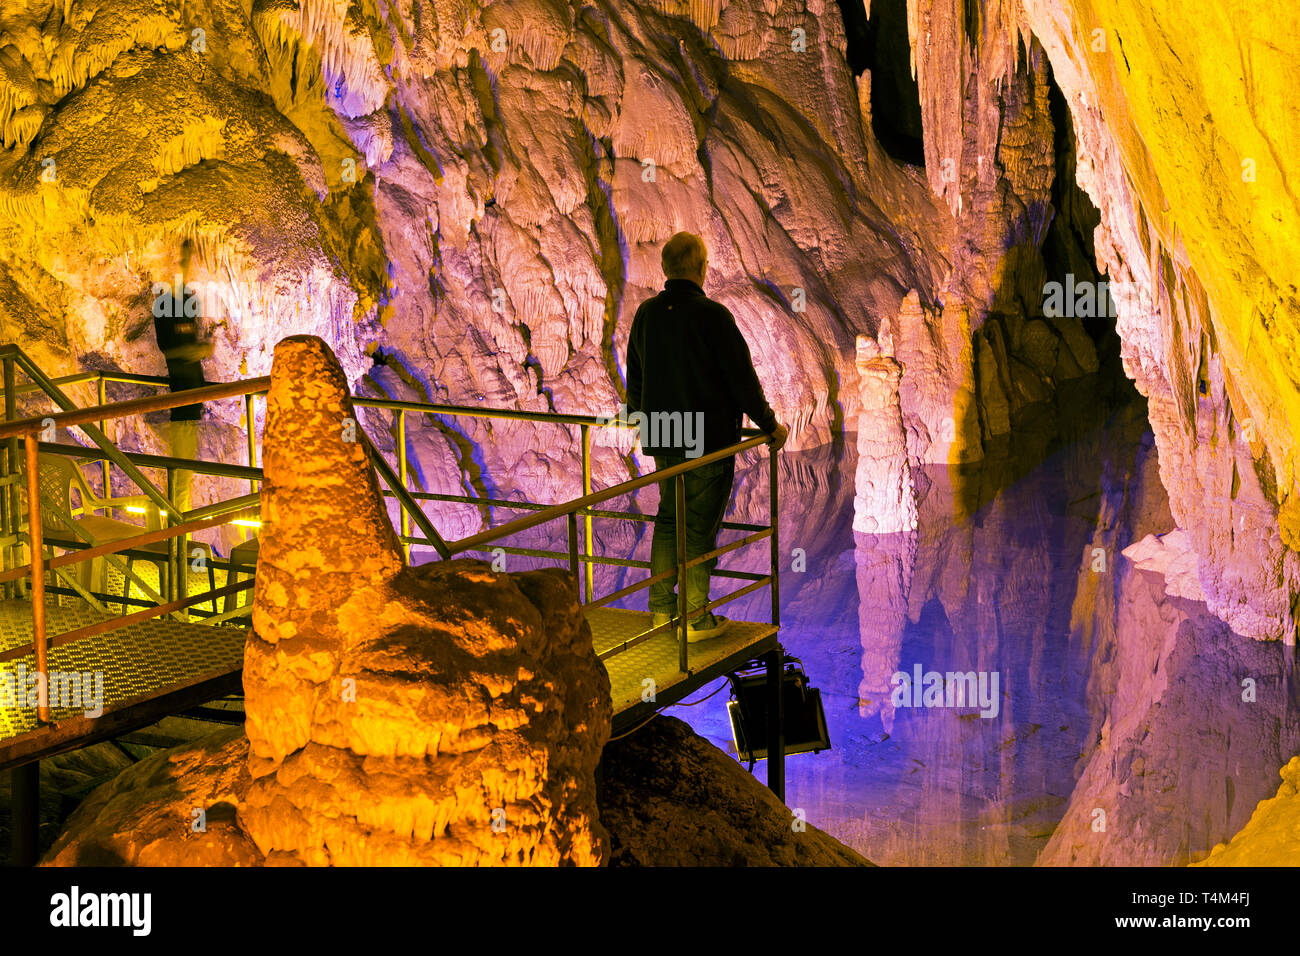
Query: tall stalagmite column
x: 885, y: 502
x: 442, y: 714
x: 884, y: 525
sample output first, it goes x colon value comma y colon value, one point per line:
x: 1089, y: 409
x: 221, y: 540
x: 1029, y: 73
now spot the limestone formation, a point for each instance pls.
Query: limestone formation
x: 883, y: 565
x: 1270, y: 838
x: 670, y: 798
x: 1182, y: 170
x: 480, y: 198
x: 467, y: 206
x: 440, y: 714
x: 885, y: 502
x: 176, y: 808
x: 937, y: 389
x: 1172, y: 556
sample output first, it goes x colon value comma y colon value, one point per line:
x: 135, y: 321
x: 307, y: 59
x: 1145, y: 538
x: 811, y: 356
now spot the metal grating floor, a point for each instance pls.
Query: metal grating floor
x: 148, y: 657
x: 134, y: 660
x: 657, y: 658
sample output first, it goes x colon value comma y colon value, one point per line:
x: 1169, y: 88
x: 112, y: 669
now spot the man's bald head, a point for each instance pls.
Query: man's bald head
x: 685, y: 257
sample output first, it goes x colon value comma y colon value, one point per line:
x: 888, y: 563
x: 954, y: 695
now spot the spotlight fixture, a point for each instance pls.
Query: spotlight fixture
x: 804, y: 717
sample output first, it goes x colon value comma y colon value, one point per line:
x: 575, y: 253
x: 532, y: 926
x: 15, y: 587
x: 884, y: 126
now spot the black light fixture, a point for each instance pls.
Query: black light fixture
x: 805, y: 719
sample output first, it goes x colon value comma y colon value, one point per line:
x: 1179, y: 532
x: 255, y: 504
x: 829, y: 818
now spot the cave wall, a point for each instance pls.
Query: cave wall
x: 1187, y: 127
x: 467, y: 202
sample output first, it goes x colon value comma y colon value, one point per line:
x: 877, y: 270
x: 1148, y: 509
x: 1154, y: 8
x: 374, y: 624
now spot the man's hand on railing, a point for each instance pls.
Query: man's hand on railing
x: 779, y: 436
x: 622, y: 438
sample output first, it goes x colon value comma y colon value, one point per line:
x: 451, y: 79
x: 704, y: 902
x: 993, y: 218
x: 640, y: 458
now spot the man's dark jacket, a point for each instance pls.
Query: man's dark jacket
x: 177, y: 333
x: 686, y: 355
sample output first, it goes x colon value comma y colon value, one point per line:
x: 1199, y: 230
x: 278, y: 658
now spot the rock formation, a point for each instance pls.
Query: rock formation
x: 1198, y: 234
x: 883, y: 566
x: 176, y: 808
x: 406, y: 716
x: 469, y: 210
x: 1270, y: 838
x: 670, y: 798
x: 467, y: 206
x: 885, y: 501
x: 443, y: 714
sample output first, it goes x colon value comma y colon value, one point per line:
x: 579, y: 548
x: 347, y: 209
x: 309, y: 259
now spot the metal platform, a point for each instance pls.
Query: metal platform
x: 156, y: 668
x: 657, y: 659
x: 150, y: 669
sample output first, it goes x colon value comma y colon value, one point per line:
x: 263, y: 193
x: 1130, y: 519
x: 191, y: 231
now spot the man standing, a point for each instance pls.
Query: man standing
x: 176, y: 329
x: 687, y: 361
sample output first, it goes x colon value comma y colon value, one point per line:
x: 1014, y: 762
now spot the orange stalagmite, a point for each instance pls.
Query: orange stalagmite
x: 438, y: 715
x: 444, y: 714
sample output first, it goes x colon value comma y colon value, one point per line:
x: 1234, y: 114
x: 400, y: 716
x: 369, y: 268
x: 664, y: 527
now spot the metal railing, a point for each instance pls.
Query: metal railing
x: 580, y: 511
x: 677, y: 475
x: 29, y: 431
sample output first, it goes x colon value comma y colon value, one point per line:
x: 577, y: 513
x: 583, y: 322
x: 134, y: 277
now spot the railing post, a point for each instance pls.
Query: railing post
x: 252, y: 439
x: 773, y: 482
x: 35, y: 535
x: 679, y: 524
x: 776, y: 657
x: 101, y: 393
x: 775, y: 660
x: 9, y: 500
x: 404, y: 518
x: 587, y: 550
x: 573, y: 549
x: 175, y: 549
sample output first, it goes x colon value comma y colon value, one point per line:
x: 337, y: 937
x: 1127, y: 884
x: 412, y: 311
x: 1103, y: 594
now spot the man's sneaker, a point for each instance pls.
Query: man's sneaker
x: 660, y: 620
x: 705, y: 628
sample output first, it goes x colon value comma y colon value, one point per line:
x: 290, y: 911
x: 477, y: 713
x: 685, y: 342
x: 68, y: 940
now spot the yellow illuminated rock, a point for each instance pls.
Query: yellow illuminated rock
x: 1272, y: 837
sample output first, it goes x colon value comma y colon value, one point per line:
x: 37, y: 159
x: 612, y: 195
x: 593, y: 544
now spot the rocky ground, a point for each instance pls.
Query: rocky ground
x: 667, y: 797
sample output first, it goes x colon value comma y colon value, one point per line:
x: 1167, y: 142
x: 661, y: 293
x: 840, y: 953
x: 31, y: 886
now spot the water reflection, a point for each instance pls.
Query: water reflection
x: 1116, y: 703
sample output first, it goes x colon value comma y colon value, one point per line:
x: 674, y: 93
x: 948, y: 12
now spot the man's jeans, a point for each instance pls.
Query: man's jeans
x: 708, y: 490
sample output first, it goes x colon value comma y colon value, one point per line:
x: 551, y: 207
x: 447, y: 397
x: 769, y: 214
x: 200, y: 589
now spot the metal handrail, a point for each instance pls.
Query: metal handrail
x: 133, y: 406
x: 408, y: 503
x: 583, y: 506
x: 525, y: 522
x: 207, y: 393
x: 12, y: 355
x: 677, y: 474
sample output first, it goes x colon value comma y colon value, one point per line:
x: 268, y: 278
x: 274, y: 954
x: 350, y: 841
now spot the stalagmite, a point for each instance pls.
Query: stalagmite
x: 885, y: 501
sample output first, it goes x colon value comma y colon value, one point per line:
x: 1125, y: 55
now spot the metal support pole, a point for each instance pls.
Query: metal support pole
x: 102, y: 395
x: 590, y: 573
x: 773, y: 482
x: 175, y: 549
x: 401, y: 475
x: 252, y: 439
x: 9, y: 499
x: 679, y: 525
x: 35, y: 536
x: 775, y: 723
x: 573, y: 547
x: 25, y: 783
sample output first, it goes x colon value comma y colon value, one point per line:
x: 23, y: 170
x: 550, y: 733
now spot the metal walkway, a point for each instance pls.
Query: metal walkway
x: 155, y: 668
x: 149, y: 670
x: 655, y: 660
x: 153, y: 659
